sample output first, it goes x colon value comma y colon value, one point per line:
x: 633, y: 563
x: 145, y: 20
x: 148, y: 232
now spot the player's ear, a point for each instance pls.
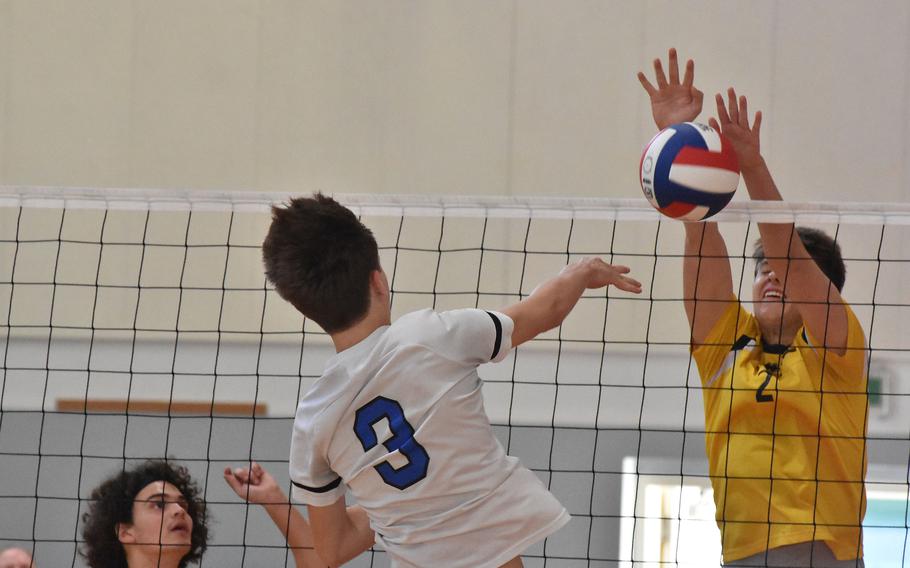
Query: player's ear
x: 379, y: 284
x: 124, y: 532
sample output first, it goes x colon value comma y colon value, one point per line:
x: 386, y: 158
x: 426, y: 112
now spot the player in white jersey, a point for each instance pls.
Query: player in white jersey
x: 397, y: 417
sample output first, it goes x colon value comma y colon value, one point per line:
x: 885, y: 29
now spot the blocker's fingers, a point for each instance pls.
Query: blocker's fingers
x: 713, y: 124
x: 744, y: 111
x: 649, y: 88
x: 689, y: 77
x: 722, y: 115
x: 659, y: 74
x: 733, y: 111
x: 756, y: 126
x: 673, y: 64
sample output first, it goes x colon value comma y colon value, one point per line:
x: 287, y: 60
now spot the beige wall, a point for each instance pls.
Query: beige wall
x: 481, y: 96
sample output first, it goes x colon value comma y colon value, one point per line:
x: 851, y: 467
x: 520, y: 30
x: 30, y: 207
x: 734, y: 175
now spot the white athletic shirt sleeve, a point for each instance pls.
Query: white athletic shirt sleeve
x: 312, y: 478
x: 467, y: 335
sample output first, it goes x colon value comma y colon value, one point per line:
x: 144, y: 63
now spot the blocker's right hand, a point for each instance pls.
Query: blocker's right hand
x: 600, y: 274
x: 673, y: 102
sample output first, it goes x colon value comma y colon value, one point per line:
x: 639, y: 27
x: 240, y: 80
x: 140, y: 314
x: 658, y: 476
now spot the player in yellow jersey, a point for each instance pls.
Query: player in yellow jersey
x: 785, y: 386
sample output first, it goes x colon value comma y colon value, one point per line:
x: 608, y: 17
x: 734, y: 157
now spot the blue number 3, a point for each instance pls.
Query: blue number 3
x: 402, y: 439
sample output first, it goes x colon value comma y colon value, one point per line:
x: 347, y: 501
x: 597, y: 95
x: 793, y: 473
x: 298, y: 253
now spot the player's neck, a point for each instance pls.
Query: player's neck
x: 778, y: 334
x: 353, y: 335
x: 136, y: 558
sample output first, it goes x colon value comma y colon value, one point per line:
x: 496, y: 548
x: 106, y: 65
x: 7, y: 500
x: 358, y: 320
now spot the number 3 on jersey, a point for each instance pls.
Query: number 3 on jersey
x: 402, y: 439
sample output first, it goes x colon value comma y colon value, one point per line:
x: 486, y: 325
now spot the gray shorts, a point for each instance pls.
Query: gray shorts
x: 803, y: 555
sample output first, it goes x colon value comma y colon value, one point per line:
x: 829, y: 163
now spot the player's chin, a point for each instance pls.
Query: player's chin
x: 769, y: 312
x: 178, y: 541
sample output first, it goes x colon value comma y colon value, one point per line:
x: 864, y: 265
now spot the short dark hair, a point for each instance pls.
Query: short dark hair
x: 111, y: 503
x: 823, y: 249
x: 320, y: 257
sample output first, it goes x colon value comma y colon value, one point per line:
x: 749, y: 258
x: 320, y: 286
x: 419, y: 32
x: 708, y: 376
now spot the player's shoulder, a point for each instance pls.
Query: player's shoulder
x: 426, y: 322
x: 332, y: 386
x: 735, y: 323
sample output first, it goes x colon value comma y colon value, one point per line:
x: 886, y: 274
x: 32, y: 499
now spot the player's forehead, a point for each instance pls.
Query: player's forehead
x: 159, y: 489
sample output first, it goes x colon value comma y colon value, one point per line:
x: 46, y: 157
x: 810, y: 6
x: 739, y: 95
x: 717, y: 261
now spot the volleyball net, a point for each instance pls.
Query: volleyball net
x: 138, y: 324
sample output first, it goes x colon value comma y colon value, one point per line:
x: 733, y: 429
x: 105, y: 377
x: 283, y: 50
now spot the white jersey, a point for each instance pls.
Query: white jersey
x: 398, y: 418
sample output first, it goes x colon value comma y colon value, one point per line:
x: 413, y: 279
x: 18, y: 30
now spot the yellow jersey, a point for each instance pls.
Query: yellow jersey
x: 785, y: 434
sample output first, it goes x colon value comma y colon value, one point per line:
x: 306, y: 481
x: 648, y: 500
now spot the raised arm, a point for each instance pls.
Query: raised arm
x: 706, y: 267
x: 805, y: 285
x: 550, y: 303
x: 707, y: 279
x: 255, y: 485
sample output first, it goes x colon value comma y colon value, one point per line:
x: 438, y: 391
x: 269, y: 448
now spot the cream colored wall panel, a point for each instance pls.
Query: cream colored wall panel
x: 839, y: 115
x: 575, y: 97
x: 194, y: 112
x: 392, y: 97
x: 67, y: 69
x: 5, y: 14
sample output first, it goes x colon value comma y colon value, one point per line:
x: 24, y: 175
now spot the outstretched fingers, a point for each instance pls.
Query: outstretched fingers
x: 722, y: 115
x: 649, y: 88
x: 756, y: 125
x: 733, y: 108
x: 628, y: 284
x: 659, y: 74
x: 673, y: 63
x: 619, y: 279
x: 689, y: 77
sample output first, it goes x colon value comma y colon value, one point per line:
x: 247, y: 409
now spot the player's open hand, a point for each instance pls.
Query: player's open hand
x: 600, y: 274
x: 254, y: 485
x: 733, y: 122
x: 673, y: 101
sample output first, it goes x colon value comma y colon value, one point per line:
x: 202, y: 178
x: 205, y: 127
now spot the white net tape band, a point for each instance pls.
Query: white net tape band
x: 448, y: 205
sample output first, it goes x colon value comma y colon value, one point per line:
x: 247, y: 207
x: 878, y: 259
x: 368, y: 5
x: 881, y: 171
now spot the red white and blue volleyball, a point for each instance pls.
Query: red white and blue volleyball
x: 689, y: 171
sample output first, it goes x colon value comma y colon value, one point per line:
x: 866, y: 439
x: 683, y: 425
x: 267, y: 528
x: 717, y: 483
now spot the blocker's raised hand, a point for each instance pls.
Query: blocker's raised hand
x: 733, y: 122
x: 673, y: 101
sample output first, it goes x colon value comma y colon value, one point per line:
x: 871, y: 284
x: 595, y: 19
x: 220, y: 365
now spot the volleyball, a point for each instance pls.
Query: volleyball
x: 689, y: 171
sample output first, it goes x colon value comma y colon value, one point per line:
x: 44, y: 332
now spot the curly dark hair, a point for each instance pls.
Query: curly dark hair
x: 111, y: 503
x: 319, y: 257
x: 823, y: 249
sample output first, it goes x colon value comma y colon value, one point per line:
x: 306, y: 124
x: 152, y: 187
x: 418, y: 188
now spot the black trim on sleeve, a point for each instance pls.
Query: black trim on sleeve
x: 323, y: 489
x: 498, y: 344
x: 741, y: 343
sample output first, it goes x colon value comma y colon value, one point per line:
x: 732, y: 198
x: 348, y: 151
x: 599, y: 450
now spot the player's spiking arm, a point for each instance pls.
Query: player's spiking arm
x: 805, y: 284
